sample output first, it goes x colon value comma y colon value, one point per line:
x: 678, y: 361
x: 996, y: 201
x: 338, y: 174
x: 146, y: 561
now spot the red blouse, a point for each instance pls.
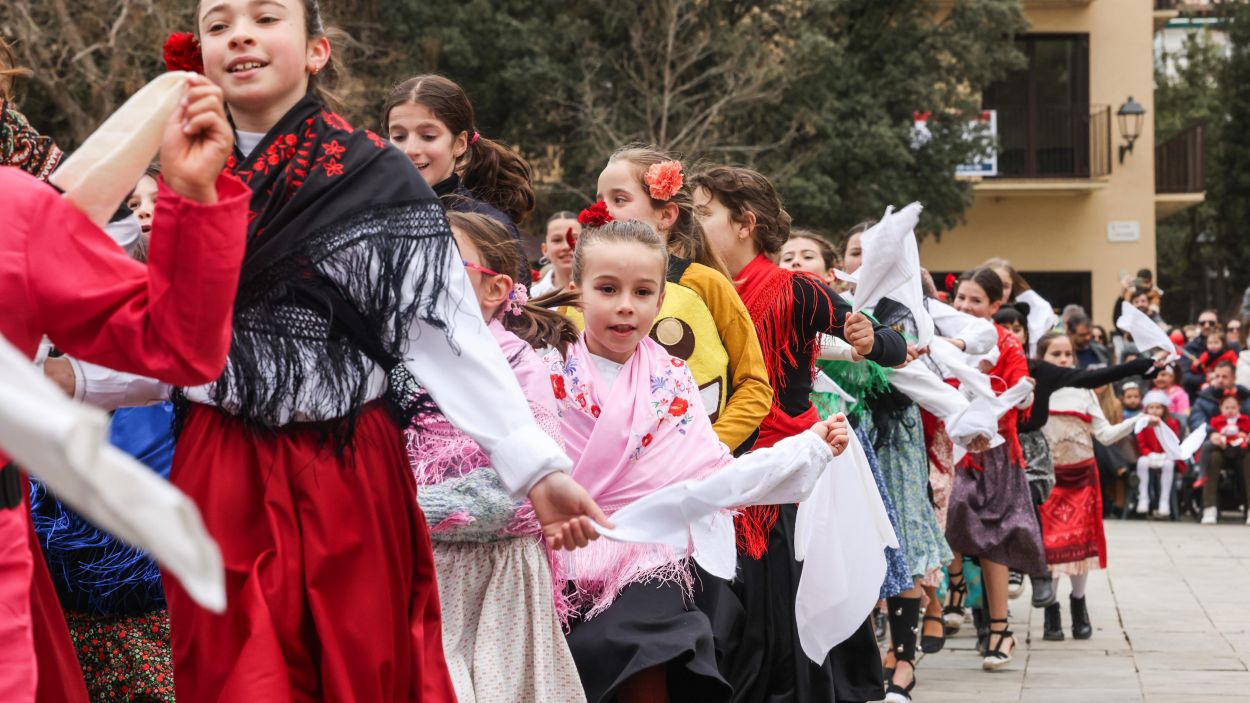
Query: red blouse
x: 1012, y: 366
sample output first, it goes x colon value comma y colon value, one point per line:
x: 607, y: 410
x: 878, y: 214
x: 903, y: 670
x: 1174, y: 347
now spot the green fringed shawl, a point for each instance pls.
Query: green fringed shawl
x: 861, y: 379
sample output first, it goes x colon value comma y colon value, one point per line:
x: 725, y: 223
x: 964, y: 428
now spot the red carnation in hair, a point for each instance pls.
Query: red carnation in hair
x: 182, y: 53
x: 950, y: 282
x: 596, y: 215
x: 571, y: 237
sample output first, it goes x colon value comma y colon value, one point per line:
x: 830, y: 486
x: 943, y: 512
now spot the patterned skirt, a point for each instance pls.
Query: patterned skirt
x: 501, y: 636
x: 897, y: 575
x: 905, y: 468
x: 1072, y: 521
x: 124, y: 657
x: 991, y: 514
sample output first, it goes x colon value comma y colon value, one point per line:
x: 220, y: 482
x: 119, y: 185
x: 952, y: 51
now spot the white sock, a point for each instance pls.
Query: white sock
x: 1165, y: 486
x: 1143, y: 481
x: 1078, y: 585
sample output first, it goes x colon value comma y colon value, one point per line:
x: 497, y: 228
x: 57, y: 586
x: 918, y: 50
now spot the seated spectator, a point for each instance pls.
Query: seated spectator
x: 1088, y: 352
x: 1130, y: 399
x: 1217, y: 350
x: 1207, y: 406
x: 1232, y: 335
x: 1152, y: 458
x: 1208, y: 322
x: 1230, y: 431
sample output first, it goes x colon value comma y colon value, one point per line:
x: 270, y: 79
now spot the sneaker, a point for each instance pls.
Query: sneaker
x: 1210, y: 515
x: 1015, y: 584
x: 1163, y: 513
x: 1143, y: 507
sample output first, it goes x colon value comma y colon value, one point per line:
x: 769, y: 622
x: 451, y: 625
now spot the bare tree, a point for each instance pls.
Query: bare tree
x: 684, y: 80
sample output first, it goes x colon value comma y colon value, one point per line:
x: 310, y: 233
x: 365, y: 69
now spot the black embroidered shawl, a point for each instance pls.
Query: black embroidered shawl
x: 340, y: 224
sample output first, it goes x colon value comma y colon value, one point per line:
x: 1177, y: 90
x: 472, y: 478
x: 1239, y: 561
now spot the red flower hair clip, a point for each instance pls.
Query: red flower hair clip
x: 182, y: 53
x: 571, y: 237
x: 950, y: 282
x: 664, y: 180
x: 596, y: 215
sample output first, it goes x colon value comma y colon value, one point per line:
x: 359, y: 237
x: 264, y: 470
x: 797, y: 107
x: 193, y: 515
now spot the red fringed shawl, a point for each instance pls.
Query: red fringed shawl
x: 768, y: 293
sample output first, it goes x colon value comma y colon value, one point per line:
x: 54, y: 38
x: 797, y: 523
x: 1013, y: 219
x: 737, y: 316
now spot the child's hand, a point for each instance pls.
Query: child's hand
x: 1152, y: 420
x: 858, y: 333
x: 197, y: 142
x: 835, y: 432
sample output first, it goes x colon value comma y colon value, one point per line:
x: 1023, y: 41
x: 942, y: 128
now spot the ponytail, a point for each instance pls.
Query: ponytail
x: 499, y: 176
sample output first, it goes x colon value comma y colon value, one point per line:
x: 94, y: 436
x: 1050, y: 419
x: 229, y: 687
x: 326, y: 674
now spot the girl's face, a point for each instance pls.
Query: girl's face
x: 853, y: 258
x: 1215, y: 344
x: 1165, y: 378
x: 557, y: 247
x: 1132, y: 398
x: 622, y: 288
x: 259, y: 53
x: 1005, y: 276
x: 1059, y: 352
x: 142, y: 201
x: 1098, y: 336
x: 1230, y: 408
x: 491, y: 288
x: 972, y: 299
x: 723, y: 233
x: 1157, y: 410
x: 620, y: 188
x: 426, y: 141
x: 1020, y: 333
x: 802, y: 254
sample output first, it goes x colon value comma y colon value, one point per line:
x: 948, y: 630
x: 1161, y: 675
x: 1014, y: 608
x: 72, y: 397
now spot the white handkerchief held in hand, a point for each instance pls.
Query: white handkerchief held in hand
x: 1146, y: 334
x: 1173, y: 448
x: 63, y: 444
x: 840, y: 535
x: 954, y: 362
x: 99, y: 175
x: 883, y: 270
x: 980, y: 418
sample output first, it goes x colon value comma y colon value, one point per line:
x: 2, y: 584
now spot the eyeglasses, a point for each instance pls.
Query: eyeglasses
x: 478, y: 267
x: 1206, y: 323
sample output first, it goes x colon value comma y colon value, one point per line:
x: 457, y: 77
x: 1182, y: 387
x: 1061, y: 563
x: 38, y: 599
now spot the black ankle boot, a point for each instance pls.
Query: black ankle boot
x: 1081, y: 629
x: 904, y: 615
x: 981, y: 620
x: 1052, y: 626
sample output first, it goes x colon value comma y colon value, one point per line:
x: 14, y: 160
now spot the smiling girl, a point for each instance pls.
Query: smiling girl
x: 563, y: 229
x: 633, y: 422
x: 350, y: 280
x: 431, y: 120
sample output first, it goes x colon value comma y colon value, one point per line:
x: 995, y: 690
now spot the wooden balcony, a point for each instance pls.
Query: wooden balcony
x: 1180, y: 172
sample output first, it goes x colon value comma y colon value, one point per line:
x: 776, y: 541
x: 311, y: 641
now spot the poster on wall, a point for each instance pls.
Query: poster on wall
x: 984, y: 127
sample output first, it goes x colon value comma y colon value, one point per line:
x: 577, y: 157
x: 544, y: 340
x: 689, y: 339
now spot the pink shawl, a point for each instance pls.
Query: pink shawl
x: 648, y: 431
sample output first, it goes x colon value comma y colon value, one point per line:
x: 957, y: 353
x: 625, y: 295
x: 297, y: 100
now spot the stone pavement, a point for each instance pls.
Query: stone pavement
x: 1171, y: 618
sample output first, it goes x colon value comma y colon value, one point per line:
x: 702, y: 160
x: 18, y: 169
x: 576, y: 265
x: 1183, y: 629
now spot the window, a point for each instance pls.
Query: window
x: 1044, y: 124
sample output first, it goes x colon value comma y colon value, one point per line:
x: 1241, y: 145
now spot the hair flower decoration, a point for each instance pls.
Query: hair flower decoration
x: 596, y: 215
x: 664, y: 180
x: 182, y: 53
x: 517, y: 298
x: 951, y: 280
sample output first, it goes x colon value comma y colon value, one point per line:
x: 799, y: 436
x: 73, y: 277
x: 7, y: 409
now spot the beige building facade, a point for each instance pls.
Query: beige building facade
x: 1064, y: 208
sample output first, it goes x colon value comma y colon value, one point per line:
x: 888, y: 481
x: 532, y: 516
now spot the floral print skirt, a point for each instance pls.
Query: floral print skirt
x: 124, y: 657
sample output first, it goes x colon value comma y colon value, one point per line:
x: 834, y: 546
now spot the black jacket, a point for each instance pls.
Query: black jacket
x: 1207, y: 405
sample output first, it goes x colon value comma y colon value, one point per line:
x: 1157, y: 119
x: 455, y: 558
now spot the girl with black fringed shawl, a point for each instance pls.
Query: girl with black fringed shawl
x: 350, y: 275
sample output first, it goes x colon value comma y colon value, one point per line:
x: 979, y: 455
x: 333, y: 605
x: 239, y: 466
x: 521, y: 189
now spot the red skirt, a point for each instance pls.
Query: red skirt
x: 329, y: 571
x: 1072, y: 516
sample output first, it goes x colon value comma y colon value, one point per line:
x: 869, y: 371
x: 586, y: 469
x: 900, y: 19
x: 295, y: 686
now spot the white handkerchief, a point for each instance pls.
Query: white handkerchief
x: 1146, y: 334
x: 1173, y: 448
x: 840, y: 534
x: 99, y: 175
x: 883, y: 269
x: 63, y: 444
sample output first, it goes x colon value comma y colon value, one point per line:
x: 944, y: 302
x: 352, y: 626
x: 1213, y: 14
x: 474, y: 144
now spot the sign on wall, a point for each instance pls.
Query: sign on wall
x: 1123, y: 231
x: 984, y: 127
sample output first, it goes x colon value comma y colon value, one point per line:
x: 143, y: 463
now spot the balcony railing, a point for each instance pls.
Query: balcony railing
x: 1180, y: 163
x: 1054, y: 141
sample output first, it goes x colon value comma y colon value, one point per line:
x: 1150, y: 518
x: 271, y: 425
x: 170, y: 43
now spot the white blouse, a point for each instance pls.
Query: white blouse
x: 466, y: 375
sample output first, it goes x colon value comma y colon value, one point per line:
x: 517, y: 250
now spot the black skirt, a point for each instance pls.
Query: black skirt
x: 757, y: 639
x: 649, y: 624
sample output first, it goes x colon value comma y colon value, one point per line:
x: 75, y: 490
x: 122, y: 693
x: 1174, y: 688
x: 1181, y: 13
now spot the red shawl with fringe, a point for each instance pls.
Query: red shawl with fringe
x: 768, y: 293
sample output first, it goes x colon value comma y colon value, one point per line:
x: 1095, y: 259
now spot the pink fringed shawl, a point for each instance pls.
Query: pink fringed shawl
x: 646, y: 432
